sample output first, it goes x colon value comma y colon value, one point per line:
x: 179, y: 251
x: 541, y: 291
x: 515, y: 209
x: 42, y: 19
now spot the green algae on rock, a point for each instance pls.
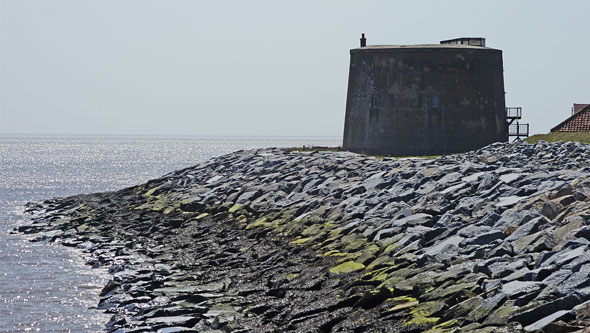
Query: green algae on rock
x: 347, y: 267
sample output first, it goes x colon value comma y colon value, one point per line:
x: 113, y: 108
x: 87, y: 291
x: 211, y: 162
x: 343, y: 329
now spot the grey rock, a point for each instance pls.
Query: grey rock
x: 536, y: 242
x: 454, y: 177
x: 175, y: 329
x: 534, y: 314
x: 453, y: 189
x: 539, y: 274
x: 426, y: 188
x: 514, y: 289
x: 528, y: 228
x: 468, y: 204
x: 583, y: 232
x: 543, y: 322
x: 484, y: 238
x: 510, y: 177
x: 385, y: 233
x: 413, y: 220
x: 563, y: 257
x: 485, y: 266
x: 578, y: 280
x: 565, y: 200
x: 551, y: 209
x: 186, y: 321
x: 438, y: 247
x: 490, y: 219
x: 472, y: 178
x: 473, y: 230
x: 514, y: 218
x: 557, y: 277
x: 446, y: 221
x: 508, y: 201
x: 377, y: 181
x: 487, y: 182
x: 518, y: 274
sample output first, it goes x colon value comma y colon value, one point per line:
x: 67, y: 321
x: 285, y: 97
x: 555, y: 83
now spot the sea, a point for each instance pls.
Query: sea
x: 45, y: 287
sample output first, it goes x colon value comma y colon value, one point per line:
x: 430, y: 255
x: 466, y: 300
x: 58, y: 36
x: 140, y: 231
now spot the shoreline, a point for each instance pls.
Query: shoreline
x: 276, y: 239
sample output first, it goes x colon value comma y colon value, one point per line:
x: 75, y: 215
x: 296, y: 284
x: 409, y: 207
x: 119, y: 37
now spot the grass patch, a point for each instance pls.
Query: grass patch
x: 316, y: 148
x: 322, y: 148
x: 583, y: 137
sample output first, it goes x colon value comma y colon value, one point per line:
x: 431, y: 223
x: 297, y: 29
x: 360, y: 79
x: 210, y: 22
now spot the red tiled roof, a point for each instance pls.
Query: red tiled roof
x: 578, y: 122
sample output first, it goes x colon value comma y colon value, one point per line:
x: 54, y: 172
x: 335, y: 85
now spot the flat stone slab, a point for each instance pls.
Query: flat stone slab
x: 516, y: 288
x: 541, y: 323
x: 509, y: 201
x: 171, y: 320
x: 438, y: 247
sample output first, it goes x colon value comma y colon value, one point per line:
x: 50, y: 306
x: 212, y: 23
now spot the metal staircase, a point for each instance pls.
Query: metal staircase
x: 516, y: 130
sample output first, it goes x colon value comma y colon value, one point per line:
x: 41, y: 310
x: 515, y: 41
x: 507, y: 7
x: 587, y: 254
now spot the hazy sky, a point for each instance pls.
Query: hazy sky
x: 258, y: 67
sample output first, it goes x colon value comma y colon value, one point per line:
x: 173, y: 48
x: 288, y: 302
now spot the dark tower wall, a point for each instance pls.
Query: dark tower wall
x: 424, y: 99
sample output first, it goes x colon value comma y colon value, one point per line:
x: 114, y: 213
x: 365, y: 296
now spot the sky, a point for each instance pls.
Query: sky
x: 258, y: 68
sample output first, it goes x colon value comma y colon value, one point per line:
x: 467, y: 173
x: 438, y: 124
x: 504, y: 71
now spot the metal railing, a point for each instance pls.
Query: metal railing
x: 514, y: 112
x: 518, y: 130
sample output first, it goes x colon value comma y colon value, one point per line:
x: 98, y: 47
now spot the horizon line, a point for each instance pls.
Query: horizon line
x: 173, y: 135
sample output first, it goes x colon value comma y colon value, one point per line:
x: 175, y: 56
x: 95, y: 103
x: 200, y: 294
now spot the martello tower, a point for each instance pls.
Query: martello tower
x: 424, y: 99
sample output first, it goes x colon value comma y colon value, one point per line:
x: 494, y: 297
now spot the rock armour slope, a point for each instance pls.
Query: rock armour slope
x: 495, y: 240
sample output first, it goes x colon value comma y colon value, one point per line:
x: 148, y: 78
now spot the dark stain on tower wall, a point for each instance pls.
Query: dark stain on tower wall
x: 424, y: 99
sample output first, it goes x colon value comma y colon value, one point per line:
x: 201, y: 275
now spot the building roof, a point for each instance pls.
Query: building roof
x: 578, y: 122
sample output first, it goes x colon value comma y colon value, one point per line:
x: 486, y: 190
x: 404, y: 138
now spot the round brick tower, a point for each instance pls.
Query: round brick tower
x: 408, y: 100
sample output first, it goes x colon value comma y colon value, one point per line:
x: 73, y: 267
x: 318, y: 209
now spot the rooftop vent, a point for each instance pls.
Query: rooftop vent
x: 473, y: 41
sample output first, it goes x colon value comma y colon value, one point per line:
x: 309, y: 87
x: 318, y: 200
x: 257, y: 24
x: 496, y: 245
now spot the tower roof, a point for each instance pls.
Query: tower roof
x: 423, y: 46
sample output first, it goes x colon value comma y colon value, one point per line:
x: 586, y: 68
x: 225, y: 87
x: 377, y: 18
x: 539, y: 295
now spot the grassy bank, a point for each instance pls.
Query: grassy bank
x: 583, y: 137
x: 321, y: 148
x: 315, y: 148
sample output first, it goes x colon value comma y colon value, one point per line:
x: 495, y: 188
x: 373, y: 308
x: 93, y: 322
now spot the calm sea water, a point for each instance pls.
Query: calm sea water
x: 45, y: 287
